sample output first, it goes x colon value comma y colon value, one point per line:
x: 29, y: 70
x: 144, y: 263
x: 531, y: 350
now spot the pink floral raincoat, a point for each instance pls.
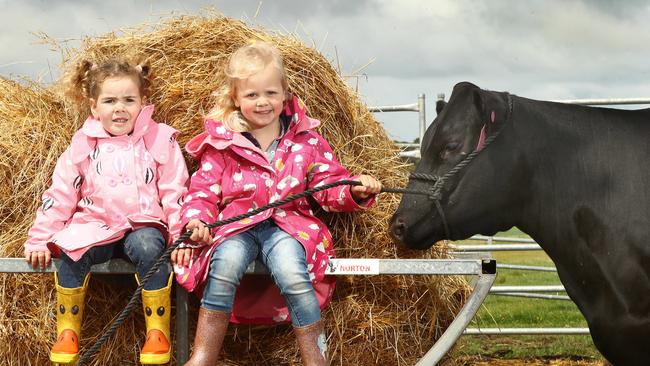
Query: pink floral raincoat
x: 104, y: 186
x: 235, y: 177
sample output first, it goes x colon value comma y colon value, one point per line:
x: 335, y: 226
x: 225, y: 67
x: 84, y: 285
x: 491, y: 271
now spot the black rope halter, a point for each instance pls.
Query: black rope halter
x: 435, y: 193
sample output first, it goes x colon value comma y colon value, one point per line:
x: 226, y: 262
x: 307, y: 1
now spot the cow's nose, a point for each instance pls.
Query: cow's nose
x: 397, y: 228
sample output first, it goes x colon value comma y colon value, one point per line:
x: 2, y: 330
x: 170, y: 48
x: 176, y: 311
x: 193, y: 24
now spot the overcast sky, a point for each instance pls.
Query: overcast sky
x: 537, y: 49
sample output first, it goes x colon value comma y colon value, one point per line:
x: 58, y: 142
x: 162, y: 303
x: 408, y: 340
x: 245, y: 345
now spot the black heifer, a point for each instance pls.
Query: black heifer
x: 576, y: 179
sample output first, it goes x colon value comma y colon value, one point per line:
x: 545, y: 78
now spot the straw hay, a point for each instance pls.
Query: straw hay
x: 372, y: 320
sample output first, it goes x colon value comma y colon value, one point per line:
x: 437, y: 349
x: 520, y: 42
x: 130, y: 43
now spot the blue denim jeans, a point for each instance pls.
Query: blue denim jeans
x: 283, y: 255
x: 142, y: 247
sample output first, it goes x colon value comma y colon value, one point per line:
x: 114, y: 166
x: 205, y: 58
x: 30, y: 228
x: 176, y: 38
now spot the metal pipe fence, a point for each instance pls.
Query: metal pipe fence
x: 543, y: 292
x: 516, y: 244
x: 420, y: 107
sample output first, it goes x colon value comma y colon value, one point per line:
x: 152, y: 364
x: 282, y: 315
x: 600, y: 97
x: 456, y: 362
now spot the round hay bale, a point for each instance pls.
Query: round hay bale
x: 32, y: 137
x: 372, y: 320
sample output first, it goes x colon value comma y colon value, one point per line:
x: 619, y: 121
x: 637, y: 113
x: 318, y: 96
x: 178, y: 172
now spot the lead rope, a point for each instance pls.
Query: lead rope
x: 186, y: 235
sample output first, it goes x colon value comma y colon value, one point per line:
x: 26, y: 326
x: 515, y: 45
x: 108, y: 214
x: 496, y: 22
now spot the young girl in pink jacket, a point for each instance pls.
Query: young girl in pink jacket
x: 258, y: 147
x: 116, y: 191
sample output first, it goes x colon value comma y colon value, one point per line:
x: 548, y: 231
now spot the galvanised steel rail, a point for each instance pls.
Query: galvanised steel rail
x: 534, y: 296
x: 493, y: 247
x: 396, y: 108
x: 542, y: 288
x: 605, y: 101
x: 506, y: 239
x: 520, y: 331
x: 526, y: 268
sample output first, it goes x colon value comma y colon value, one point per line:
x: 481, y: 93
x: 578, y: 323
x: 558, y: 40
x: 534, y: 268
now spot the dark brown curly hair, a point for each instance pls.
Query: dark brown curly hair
x: 86, y: 78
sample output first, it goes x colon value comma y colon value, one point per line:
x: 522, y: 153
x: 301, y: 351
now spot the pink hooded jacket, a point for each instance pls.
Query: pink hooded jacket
x: 235, y: 176
x: 104, y: 186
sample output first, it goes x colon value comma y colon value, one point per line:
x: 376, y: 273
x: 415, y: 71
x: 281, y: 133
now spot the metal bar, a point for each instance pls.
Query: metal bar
x: 501, y: 331
x: 422, y: 116
x: 19, y: 265
x: 456, y: 328
x: 407, y: 144
x: 526, y: 268
x: 113, y: 266
x: 494, y: 247
x: 372, y: 266
x: 606, y: 101
x: 385, y: 266
x: 430, y: 266
x: 395, y: 108
x: 533, y: 296
x: 503, y: 239
x: 545, y: 288
x: 182, y: 326
x: 419, y: 107
x: 410, y: 154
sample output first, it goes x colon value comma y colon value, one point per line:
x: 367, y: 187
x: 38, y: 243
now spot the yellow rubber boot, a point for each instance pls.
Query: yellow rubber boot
x: 69, y: 313
x: 156, y: 304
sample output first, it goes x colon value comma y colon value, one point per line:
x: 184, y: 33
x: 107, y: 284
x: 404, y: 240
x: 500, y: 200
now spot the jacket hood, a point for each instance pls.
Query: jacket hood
x: 218, y: 136
x: 157, y: 136
x: 93, y: 127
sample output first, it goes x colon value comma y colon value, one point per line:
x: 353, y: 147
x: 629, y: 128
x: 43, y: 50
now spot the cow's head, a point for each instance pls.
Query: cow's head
x: 461, y: 127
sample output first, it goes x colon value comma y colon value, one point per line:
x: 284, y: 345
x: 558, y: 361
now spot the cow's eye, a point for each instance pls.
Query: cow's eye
x: 449, y: 149
x: 452, y: 146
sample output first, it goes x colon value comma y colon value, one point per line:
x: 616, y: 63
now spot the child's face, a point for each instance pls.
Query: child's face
x: 118, y: 105
x: 260, y: 98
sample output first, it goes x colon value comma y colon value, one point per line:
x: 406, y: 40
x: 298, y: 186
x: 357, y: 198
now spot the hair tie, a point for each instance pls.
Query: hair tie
x: 138, y: 68
x: 94, y: 67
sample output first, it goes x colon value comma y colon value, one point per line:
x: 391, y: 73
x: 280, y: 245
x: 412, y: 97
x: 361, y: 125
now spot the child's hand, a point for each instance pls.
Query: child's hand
x: 182, y: 257
x: 41, y: 258
x: 200, y: 234
x: 370, y: 187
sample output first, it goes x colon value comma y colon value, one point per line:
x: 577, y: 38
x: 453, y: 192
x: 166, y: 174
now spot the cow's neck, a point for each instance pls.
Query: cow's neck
x: 571, y: 210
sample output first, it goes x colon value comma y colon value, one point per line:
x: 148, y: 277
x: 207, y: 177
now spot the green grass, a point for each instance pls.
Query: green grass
x: 516, y: 312
x: 514, y: 232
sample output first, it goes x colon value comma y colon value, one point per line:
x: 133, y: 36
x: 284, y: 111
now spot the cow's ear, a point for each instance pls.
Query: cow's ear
x: 493, y: 105
x: 440, y: 104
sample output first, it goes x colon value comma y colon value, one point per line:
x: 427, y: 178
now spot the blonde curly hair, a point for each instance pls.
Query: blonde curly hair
x: 243, y: 63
